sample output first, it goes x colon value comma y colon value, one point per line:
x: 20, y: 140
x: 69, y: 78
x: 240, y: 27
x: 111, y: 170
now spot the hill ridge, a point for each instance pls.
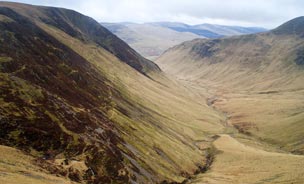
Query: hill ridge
x: 87, y: 29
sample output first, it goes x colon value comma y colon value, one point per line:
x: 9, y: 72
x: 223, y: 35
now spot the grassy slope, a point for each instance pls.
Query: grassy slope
x: 162, y: 127
x: 17, y: 167
x: 149, y: 125
x: 49, y: 96
x: 155, y: 114
x: 239, y: 163
x: 235, y: 62
x: 257, y: 83
x: 253, y: 78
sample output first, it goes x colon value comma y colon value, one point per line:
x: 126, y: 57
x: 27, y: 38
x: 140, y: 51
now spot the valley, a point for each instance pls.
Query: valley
x: 240, y: 163
x: 243, y: 157
x: 255, y: 83
x: 79, y: 105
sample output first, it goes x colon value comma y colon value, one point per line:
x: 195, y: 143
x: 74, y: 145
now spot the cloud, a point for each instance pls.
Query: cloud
x: 266, y: 13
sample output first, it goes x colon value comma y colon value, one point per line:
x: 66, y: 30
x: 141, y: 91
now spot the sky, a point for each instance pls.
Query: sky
x: 260, y: 13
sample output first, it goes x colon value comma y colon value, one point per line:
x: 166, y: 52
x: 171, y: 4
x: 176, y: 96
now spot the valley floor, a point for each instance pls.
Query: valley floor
x: 242, y: 157
x: 239, y: 163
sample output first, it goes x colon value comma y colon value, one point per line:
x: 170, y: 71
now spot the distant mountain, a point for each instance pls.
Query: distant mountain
x: 152, y: 39
x: 148, y: 39
x: 211, y: 30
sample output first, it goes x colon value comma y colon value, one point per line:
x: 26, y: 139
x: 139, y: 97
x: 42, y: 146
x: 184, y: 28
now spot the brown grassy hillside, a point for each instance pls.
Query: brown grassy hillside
x: 256, y: 82
x: 78, y: 105
x: 73, y: 93
x: 256, y: 79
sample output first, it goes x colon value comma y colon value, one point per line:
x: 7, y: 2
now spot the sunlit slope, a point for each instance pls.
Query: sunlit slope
x: 261, y: 62
x: 238, y: 163
x: 16, y: 167
x: 159, y: 119
x: 256, y: 79
x: 71, y: 90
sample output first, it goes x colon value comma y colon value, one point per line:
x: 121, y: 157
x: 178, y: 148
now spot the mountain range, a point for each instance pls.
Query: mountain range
x: 152, y: 39
x: 79, y: 105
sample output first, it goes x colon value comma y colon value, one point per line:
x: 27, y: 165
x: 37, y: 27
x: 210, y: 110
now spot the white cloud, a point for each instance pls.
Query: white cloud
x: 266, y: 13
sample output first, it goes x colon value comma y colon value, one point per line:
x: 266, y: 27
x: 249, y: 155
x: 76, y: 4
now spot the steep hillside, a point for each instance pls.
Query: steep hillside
x: 82, y: 105
x: 88, y: 30
x: 53, y: 101
x: 256, y: 79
